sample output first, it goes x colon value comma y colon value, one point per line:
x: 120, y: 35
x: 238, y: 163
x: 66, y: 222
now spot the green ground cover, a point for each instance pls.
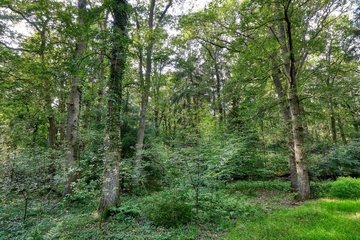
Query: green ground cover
x: 240, y: 210
x: 320, y: 219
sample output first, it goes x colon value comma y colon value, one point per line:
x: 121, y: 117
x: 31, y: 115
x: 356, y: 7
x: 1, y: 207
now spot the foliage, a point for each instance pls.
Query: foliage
x: 219, y: 211
x: 212, y: 115
x: 33, y: 176
x: 220, y: 207
x: 256, y: 185
x: 320, y: 189
x: 170, y: 208
x: 82, y: 190
x: 341, y: 161
x: 36, y: 171
x: 345, y: 188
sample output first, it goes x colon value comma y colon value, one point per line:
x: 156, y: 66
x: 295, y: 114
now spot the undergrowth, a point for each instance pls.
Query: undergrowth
x: 178, y: 213
x: 251, y: 210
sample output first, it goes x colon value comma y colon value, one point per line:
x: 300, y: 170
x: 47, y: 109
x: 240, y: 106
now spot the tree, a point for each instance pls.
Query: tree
x: 295, y: 48
x: 291, y: 72
x: 145, y: 81
x: 285, y: 112
x: 73, y: 114
x: 110, y: 188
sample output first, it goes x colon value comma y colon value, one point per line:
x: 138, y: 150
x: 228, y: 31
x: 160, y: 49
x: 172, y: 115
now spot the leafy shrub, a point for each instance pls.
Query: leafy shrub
x: 169, y: 208
x: 83, y: 191
x: 345, y: 188
x: 342, y: 161
x: 126, y: 212
x: 220, y: 207
x: 319, y: 189
x: 31, y: 174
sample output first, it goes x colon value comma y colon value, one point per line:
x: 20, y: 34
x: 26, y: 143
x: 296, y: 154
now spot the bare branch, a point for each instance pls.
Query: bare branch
x: 15, y: 49
x: 25, y: 18
x: 163, y: 13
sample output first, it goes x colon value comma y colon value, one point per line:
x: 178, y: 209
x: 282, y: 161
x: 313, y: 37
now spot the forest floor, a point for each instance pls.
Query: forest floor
x: 240, y: 210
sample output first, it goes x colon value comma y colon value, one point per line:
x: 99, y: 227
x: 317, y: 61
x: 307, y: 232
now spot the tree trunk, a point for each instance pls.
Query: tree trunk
x: 52, y: 127
x: 140, y: 139
x: 217, y: 96
x: 62, y: 109
x: 73, y: 116
x: 298, y: 134
x: 295, y: 110
x: 72, y: 135
x: 333, y: 124
x: 285, y: 112
x: 110, y: 188
x: 100, y: 92
x: 145, y: 89
x: 342, y: 132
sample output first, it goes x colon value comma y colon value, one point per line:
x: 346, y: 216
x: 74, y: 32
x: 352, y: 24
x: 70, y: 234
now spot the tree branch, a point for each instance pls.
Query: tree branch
x: 25, y: 18
x: 15, y: 49
x: 163, y: 13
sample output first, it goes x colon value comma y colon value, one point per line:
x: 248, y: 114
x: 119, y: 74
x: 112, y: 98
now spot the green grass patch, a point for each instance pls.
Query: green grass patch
x: 345, y: 188
x: 321, y: 219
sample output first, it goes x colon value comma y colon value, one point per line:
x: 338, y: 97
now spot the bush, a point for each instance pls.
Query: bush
x: 345, y: 188
x: 169, y: 208
x: 320, y: 189
x: 342, y: 161
x: 220, y: 207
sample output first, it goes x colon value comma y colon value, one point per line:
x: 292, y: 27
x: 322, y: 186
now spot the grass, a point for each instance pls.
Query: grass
x: 321, y: 219
x: 241, y: 210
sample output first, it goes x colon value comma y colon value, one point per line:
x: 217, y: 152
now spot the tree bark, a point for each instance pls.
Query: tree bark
x: 145, y: 89
x: 342, y: 132
x: 73, y: 115
x: 110, y: 188
x: 217, y: 96
x: 295, y: 111
x: 285, y: 112
x: 332, y: 121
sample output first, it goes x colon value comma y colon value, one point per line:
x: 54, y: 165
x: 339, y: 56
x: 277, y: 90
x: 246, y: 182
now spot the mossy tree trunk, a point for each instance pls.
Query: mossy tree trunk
x: 110, y: 188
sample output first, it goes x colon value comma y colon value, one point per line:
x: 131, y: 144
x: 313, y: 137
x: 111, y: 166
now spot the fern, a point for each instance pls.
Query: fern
x: 54, y: 232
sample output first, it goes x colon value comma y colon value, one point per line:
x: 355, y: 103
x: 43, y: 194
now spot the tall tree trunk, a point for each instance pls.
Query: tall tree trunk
x: 48, y: 99
x: 217, y: 97
x: 62, y: 109
x: 332, y: 121
x: 156, y: 93
x: 52, y: 130
x: 298, y: 134
x: 342, y: 132
x: 218, y: 92
x: 73, y: 116
x: 101, y: 75
x: 146, y: 88
x: 285, y: 112
x: 110, y: 188
x: 295, y: 110
x: 52, y: 125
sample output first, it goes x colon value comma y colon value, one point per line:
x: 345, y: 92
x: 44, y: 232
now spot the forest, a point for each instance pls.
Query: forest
x: 179, y: 119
